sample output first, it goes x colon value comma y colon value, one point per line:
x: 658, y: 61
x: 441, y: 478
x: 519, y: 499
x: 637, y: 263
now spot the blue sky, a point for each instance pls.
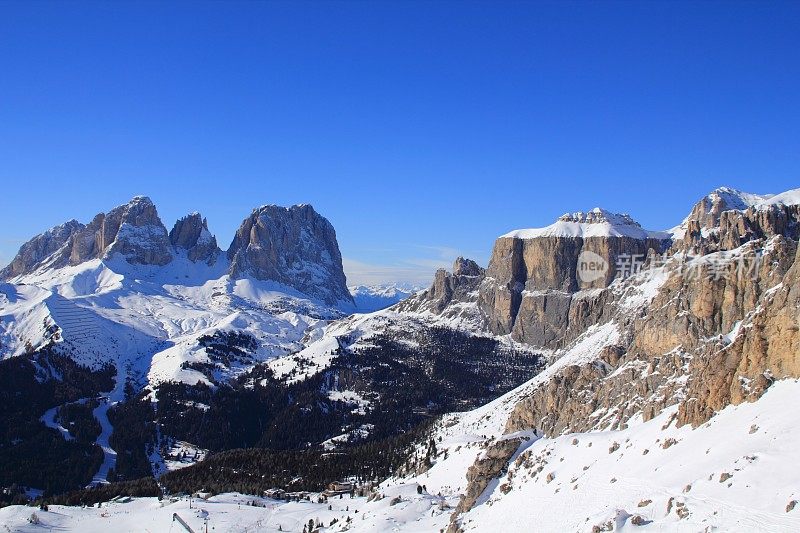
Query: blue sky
x: 422, y: 130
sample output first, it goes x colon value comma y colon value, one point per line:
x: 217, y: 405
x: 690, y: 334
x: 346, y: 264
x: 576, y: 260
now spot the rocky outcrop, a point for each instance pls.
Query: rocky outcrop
x: 707, y: 211
x: 709, y: 338
x: 134, y: 231
x: 459, y: 287
x: 535, y: 277
x: 732, y: 228
x: 712, y: 335
x: 191, y: 234
x: 486, y: 468
x: 711, y: 323
x: 294, y: 246
x: 38, y: 249
x: 765, y: 346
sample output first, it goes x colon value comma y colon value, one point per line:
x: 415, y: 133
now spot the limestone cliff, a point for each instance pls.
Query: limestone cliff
x: 133, y: 231
x: 38, y: 249
x: 452, y: 295
x: 294, y: 246
x: 533, y: 287
x: 191, y: 234
x: 712, y: 322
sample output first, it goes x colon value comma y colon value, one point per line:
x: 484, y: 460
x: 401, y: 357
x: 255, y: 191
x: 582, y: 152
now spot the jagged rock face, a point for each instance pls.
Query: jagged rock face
x: 133, y: 230
x: 710, y: 337
x: 485, y: 469
x: 714, y: 323
x: 767, y: 348
x: 36, y: 250
x: 294, y: 246
x: 533, y: 280
x: 191, y: 233
x: 730, y: 229
x: 707, y: 212
x: 467, y: 267
x: 678, y: 349
x: 459, y: 288
x: 719, y: 328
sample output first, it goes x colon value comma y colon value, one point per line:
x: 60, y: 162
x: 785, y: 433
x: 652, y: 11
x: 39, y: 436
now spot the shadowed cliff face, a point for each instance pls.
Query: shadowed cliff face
x: 33, y: 252
x: 133, y: 230
x: 295, y: 246
x: 191, y: 234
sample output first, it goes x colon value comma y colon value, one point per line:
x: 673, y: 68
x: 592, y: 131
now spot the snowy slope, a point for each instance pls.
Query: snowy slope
x: 150, y: 324
x: 737, y: 472
x: 602, y: 476
x: 150, y: 318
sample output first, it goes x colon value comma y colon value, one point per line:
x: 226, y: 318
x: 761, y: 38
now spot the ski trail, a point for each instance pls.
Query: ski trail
x: 107, y: 400
x: 103, y: 440
x: 49, y: 420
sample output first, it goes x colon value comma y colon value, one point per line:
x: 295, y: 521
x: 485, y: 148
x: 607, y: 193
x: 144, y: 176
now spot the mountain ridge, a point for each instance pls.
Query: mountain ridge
x: 702, y: 335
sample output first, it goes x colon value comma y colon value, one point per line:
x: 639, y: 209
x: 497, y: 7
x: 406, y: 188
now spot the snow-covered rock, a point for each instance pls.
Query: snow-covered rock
x: 707, y: 211
x: 121, y: 290
x: 595, y: 223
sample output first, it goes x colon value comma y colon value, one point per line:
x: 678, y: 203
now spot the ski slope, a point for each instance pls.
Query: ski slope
x: 737, y: 472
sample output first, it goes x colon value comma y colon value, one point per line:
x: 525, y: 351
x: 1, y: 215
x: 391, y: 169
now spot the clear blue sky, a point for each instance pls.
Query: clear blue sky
x: 421, y: 130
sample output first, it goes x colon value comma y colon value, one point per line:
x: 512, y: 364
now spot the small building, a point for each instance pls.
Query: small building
x: 341, y: 486
x: 275, y: 494
x: 338, y: 488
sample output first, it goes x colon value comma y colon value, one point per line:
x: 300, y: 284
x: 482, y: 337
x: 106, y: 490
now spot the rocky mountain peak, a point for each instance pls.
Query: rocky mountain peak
x: 458, y: 287
x: 190, y: 233
x: 133, y: 230
x: 466, y: 267
x: 599, y: 216
x: 706, y: 212
x: 35, y: 251
x: 534, y: 274
x: 295, y: 246
x: 727, y: 218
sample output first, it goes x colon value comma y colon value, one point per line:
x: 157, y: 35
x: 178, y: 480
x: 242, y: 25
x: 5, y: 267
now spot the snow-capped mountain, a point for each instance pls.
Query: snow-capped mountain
x: 124, y: 299
x: 655, y: 395
x: 123, y: 285
x: 370, y: 298
x: 707, y: 211
x: 663, y: 406
x: 595, y: 223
